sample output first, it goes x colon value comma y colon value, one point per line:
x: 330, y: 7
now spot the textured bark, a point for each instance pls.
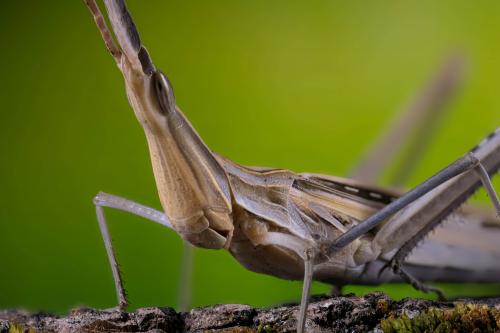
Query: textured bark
x: 374, y: 312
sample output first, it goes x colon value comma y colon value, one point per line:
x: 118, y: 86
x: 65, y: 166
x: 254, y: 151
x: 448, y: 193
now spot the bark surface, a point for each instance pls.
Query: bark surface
x: 374, y: 312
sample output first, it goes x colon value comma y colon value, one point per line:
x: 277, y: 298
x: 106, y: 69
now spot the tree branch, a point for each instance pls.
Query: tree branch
x: 374, y: 312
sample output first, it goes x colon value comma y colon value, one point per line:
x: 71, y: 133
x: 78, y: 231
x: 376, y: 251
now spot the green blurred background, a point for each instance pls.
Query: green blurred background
x: 299, y: 85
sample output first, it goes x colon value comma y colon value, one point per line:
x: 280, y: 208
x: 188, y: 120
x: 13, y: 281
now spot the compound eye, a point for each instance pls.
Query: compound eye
x: 164, y: 93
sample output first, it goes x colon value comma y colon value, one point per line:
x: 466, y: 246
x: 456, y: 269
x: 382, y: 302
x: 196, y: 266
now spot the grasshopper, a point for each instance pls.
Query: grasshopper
x: 290, y: 225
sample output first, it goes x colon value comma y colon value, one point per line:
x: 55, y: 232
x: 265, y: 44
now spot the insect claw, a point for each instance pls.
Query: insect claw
x: 123, y: 302
x: 123, y: 306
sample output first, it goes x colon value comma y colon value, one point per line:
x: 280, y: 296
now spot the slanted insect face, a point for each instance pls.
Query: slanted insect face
x: 192, y: 186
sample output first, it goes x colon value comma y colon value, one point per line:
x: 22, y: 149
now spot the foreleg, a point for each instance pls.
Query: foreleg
x: 102, y: 200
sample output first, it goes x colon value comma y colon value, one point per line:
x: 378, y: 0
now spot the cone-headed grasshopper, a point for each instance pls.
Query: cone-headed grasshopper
x: 289, y: 225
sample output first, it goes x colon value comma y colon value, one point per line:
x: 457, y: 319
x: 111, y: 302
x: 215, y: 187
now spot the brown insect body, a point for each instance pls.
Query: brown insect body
x: 287, y: 224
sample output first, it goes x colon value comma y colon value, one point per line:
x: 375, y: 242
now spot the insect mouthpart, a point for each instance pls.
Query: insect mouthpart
x: 164, y: 92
